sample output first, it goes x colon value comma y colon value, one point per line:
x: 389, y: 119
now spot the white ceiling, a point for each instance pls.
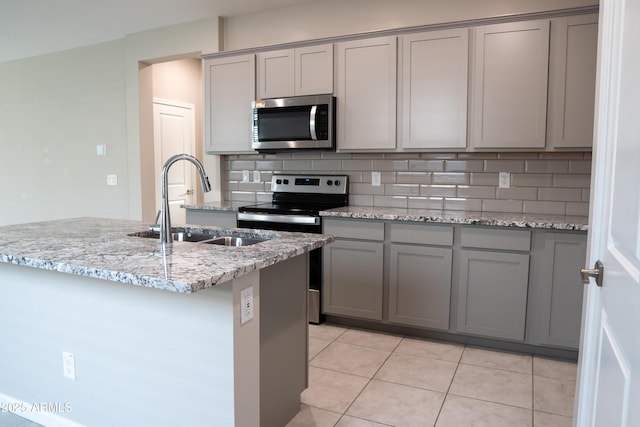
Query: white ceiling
x: 35, y: 27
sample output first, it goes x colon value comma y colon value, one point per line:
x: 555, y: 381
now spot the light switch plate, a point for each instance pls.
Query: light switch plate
x: 256, y: 176
x: 69, y: 365
x: 101, y: 150
x: 245, y: 176
x: 112, y: 179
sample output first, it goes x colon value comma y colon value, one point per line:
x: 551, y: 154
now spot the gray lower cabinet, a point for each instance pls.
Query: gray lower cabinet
x: 420, y: 263
x: 555, y: 310
x: 420, y: 286
x: 493, y: 280
x: 353, y: 269
x: 492, y: 297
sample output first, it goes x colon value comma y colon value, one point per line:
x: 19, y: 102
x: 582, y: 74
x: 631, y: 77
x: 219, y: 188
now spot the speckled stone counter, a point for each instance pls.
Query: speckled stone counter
x: 575, y: 223
x: 215, y: 206
x: 101, y: 248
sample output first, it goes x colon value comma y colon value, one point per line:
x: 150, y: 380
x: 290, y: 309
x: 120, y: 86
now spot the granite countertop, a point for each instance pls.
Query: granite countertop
x: 575, y: 223
x: 101, y: 248
x: 216, y: 206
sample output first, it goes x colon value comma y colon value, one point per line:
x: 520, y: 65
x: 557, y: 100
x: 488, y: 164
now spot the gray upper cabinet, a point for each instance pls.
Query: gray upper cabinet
x: 366, y: 94
x: 433, y: 90
x: 555, y: 311
x: 493, y: 268
x: 229, y: 85
x: 572, y: 81
x: 292, y: 72
x: 420, y: 275
x: 509, y: 85
x: 353, y: 269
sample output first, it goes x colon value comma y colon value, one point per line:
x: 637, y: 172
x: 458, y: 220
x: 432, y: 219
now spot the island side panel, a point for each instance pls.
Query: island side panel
x: 283, y: 340
x: 142, y: 356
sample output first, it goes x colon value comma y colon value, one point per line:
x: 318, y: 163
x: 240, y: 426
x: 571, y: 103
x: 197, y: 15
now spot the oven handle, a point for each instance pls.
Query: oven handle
x: 284, y: 219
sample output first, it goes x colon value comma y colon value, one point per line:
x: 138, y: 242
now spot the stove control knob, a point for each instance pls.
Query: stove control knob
x: 329, y: 182
x: 337, y: 182
x: 286, y: 181
x: 278, y: 181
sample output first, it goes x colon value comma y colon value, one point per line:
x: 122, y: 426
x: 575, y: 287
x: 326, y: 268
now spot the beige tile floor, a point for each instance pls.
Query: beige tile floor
x: 369, y: 379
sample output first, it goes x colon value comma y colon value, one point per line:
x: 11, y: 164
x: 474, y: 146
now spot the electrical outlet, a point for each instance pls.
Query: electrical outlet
x: 112, y: 179
x: 246, y: 305
x: 504, y: 180
x: 101, y: 150
x: 69, y: 365
x: 256, y: 176
x: 375, y: 179
x: 245, y: 176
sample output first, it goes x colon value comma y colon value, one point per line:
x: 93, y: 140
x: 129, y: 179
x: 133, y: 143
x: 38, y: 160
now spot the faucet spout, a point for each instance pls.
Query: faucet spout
x: 165, y: 217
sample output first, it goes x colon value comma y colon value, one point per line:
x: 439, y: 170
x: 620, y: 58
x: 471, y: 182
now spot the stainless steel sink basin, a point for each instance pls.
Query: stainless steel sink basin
x: 181, y: 234
x: 234, y: 241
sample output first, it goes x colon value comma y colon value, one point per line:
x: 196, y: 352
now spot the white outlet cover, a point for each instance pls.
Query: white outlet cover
x: 504, y: 180
x: 112, y: 179
x: 245, y: 176
x: 246, y: 305
x: 69, y: 365
x: 256, y: 176
x: 101, y: 150
x: 375, y: 179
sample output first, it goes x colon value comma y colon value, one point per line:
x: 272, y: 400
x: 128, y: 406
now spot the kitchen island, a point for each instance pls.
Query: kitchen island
x: 156, y: 333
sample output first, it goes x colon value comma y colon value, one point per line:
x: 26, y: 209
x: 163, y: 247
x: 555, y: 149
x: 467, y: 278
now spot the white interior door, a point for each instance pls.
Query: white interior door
x: 174, y: 133
x: 609, y: 379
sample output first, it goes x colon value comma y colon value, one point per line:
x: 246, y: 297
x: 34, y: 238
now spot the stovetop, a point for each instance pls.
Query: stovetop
x: 295, y: 194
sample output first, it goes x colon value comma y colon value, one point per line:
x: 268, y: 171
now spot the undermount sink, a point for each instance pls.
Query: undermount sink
x: 181, y: 234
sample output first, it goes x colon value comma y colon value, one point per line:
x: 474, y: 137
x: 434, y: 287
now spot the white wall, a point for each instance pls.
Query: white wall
x: 55, y: 109
x: 330, y: 18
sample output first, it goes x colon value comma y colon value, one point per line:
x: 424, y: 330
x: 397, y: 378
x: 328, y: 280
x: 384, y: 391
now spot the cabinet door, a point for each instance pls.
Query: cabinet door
x: 366, y: 94
x: 275, y: 74
x: 509, y: 85
x: 229, y: 90
x: 434, y: 89
x: 313, y: 70
x: 420, y: 286
x: 352, y: 279
x: 492, y: 294
x: 572, y: 81
x: 560, y: 289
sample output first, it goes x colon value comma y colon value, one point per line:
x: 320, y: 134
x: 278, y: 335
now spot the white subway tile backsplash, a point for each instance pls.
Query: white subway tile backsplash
x: 547, y: 166
x: 462, y: 204
x: 540, y: 207
x: 476, y: 192
x: 426, y: 203
x: 426, y: 165
x: 512, y: 166
x: 579, y: 209
x: 556, y: 183
x: 464, y: 166
x: 517, y: 193
x: 438, y: 190
x: 560, y: 194
x: 402, y: 189
x: 450, y: 178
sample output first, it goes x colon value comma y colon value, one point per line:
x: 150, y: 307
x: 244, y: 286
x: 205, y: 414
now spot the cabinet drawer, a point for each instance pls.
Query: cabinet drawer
x: 492, y: 238
x: 424, y: 234
x: 354, y: 229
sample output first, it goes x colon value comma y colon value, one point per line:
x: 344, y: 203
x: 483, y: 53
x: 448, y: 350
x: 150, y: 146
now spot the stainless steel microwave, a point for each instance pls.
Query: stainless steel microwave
x: 294, y: 123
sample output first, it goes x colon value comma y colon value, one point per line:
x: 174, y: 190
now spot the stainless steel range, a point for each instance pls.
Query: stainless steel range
x: 295, y: 206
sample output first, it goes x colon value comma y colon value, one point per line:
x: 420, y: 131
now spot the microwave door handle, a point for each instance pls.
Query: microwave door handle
x: 312, y: 122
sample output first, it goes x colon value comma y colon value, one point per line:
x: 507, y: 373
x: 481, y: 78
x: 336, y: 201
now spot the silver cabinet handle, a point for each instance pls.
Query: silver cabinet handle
x: 597, y: 273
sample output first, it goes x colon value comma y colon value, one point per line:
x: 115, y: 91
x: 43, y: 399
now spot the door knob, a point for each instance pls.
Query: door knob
x: 189, y: 192
x: 597, y: 273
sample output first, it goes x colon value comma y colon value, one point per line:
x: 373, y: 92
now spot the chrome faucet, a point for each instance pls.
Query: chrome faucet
x: 165, y: 218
